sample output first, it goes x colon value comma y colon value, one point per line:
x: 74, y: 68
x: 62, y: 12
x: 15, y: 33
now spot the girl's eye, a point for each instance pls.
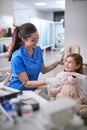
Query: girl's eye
x: 33, y: 40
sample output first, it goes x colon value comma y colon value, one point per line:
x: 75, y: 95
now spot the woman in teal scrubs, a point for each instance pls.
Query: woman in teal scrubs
x: 26, y: 59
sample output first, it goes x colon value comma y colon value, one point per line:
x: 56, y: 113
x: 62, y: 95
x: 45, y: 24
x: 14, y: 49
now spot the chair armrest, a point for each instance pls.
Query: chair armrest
x: 8, y: 75
x: 41, y: 89
x: 5, y: 79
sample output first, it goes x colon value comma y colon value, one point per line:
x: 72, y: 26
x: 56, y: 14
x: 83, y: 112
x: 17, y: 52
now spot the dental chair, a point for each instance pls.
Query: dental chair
x: 71, y: 49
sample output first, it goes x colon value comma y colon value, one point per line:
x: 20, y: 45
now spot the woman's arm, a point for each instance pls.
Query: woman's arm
x: 30, y: 84
x: 48, y: 68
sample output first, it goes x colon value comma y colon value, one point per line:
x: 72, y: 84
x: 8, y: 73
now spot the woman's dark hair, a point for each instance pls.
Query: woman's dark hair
x: 24, y: 31
x: 79, y: 61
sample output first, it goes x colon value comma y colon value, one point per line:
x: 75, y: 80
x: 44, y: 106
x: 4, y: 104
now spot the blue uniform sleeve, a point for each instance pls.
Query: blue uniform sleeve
x: 17, y: 65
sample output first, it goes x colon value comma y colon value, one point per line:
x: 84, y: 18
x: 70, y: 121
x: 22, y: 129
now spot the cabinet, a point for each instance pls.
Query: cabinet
x: 45, y: 30
x: 59, y: 34
x: 51, y: 34
x: 6, y: 40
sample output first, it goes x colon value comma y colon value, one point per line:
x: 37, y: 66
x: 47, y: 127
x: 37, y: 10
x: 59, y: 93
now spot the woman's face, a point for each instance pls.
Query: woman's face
x: 70, y: 65
x: 31, y: 41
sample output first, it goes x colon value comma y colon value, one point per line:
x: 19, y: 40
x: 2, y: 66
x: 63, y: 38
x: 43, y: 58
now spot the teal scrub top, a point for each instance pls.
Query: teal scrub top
x: 21, y: 61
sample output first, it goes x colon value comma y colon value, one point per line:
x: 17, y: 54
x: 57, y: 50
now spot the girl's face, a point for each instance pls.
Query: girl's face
x: 31, y: 41
x: 70, y: 65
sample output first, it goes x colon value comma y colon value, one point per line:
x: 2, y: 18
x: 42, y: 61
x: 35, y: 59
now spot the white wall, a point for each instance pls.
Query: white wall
x: 76, y: 25
x: 42, y: 15
x: 6, y: 7
x: 21, y: 9
x: 18, y: 11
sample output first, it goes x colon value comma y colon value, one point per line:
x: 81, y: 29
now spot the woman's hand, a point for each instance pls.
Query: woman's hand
x: 62, y: 58
x: 54, y: 81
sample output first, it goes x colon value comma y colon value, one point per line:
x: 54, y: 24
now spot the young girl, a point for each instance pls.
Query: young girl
x: 73, y: 63
x: 73, y: 66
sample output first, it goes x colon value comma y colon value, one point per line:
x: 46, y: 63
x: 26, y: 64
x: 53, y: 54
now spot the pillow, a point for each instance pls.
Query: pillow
x: 83, y: 84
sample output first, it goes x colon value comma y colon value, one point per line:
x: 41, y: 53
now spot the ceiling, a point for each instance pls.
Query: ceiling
x: 51, y: 6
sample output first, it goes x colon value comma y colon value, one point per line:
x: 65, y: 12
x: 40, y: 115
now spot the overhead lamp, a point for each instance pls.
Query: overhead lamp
x: 60, y: 1
x: 40, y: 4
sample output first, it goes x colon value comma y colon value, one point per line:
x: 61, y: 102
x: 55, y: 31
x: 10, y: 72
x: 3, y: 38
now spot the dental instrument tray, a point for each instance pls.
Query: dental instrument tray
x: 8, y: 93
